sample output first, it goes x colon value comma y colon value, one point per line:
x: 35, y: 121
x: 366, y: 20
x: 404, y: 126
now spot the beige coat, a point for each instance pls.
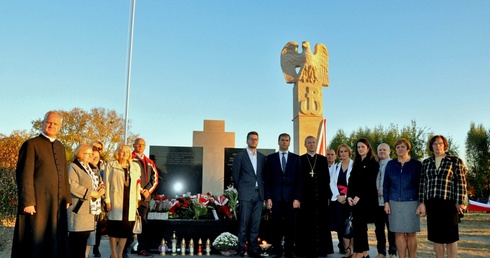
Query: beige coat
x: 80, y: 188
x: 114, y: 182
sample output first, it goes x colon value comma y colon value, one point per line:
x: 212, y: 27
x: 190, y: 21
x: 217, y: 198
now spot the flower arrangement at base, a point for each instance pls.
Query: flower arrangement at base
x: 226, y: 241
x: 232, y: 194
x: 200, y: 206
x: 159, y: 207
x: 160, y: 203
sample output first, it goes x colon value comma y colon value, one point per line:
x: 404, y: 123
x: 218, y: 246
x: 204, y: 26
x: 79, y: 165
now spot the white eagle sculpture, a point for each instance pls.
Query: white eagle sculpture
x: 314, y: 66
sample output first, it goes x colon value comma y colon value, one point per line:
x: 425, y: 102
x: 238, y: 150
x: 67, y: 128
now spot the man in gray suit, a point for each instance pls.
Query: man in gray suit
x: 247, y: 171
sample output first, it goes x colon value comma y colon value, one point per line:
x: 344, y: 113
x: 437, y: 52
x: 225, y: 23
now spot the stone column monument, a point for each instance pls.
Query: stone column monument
x: 308, y: 72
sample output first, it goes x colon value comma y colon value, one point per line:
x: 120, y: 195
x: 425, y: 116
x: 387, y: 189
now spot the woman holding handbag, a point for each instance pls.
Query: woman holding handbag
x: 122, y: 180
x: 339, y: 207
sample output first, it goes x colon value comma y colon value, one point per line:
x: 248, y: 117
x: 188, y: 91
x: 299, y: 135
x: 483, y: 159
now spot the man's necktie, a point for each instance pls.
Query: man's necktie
x: 284, y: 162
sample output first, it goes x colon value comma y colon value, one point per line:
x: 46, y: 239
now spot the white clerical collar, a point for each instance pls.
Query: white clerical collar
x: 50, y: 138
x: 312, y: 155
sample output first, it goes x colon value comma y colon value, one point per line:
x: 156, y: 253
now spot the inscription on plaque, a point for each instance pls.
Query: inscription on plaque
x: 181, y: 169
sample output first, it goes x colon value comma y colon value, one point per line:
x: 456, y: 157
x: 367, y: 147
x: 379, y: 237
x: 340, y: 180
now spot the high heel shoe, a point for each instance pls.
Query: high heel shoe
x: 348, y: 252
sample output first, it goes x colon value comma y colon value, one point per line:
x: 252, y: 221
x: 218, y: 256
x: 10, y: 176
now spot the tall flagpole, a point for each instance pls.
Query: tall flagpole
x: 128, y: 78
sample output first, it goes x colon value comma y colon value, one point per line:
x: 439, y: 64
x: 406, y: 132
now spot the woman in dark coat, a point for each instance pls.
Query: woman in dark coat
x: 362, y: 195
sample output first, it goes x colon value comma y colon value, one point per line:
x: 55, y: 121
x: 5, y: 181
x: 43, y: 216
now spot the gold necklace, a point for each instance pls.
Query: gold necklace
x: 126, y: 171
x: 312, y: 173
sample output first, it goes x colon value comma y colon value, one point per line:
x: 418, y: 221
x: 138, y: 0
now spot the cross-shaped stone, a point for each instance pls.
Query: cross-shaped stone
x: 214, y: 140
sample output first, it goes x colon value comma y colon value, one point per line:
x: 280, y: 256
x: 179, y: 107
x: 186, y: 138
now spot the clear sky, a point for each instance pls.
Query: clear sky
x: 390, y: 62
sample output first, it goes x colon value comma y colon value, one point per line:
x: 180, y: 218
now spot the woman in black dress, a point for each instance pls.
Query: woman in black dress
x: 362, y: 195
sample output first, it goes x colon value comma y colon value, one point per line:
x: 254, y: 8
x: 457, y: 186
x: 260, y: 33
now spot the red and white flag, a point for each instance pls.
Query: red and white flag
x: 322, y: 139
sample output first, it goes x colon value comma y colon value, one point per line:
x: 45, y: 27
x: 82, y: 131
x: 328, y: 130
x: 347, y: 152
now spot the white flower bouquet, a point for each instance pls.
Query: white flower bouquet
x: 225, y: 241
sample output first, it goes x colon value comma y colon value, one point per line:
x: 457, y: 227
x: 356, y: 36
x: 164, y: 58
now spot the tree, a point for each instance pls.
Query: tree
x: 478, y: 161
x: 9, y: 148
x: 81, y: 127
x: 418, y: 137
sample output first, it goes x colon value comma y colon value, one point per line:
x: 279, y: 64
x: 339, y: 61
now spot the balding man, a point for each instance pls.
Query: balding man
x: 381, y: 216
x: 149, y: 182
x: 41, y: 228
x: 331, y: 157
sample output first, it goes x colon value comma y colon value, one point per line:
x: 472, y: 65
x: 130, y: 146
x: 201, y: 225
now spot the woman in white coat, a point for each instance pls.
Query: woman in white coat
x: 122, y: 180
x: 339, y: 207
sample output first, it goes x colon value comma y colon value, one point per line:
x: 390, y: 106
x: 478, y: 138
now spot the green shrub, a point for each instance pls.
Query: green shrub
x: 8, y: 206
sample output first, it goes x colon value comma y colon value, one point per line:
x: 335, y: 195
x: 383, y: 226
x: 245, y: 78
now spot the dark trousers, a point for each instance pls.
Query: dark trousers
x: 360, y: 233
x: 143, y: 237
x: 101, y: 227
x: 77, y: 243
x: 249, y: 224
x: 380, y: 222
x: 283, y: 226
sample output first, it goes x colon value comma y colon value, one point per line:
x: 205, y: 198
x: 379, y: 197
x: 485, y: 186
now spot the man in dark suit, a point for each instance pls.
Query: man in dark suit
x: 247, y: 175
x: 283, y: 182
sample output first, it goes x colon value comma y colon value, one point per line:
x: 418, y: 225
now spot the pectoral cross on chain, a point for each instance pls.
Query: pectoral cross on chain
x: 312, y: 173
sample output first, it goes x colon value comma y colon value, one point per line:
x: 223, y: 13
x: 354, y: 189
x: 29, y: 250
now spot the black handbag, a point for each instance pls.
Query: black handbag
x: 348, y: 230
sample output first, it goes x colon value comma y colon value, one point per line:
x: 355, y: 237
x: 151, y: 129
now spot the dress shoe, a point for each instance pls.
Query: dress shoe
x: 341, y: 249
x: 254, y: 255
x: 145, y: 253
x: 97, y: 255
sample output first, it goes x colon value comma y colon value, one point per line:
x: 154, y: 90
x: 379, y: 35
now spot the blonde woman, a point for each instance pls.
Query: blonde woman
x: 122, y: 180
x: 339, y: 207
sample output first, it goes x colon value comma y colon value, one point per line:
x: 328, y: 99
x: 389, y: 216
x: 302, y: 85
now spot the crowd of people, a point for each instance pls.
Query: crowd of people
x: 308, y: 197
x: 64, y: 209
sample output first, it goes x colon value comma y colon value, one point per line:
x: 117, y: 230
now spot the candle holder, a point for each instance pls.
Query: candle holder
x: 264, y: 248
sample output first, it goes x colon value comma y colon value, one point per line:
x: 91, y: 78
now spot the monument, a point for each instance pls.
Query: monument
x: 214, y: 140
x: 307, y: 90
x: 181, y: 168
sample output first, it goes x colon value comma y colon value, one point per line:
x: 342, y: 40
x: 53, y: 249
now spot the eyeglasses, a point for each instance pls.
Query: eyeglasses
x: 95, y: 148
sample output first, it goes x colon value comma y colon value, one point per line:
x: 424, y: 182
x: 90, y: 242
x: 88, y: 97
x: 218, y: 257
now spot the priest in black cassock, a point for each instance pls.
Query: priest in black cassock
x: 314, y: 238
